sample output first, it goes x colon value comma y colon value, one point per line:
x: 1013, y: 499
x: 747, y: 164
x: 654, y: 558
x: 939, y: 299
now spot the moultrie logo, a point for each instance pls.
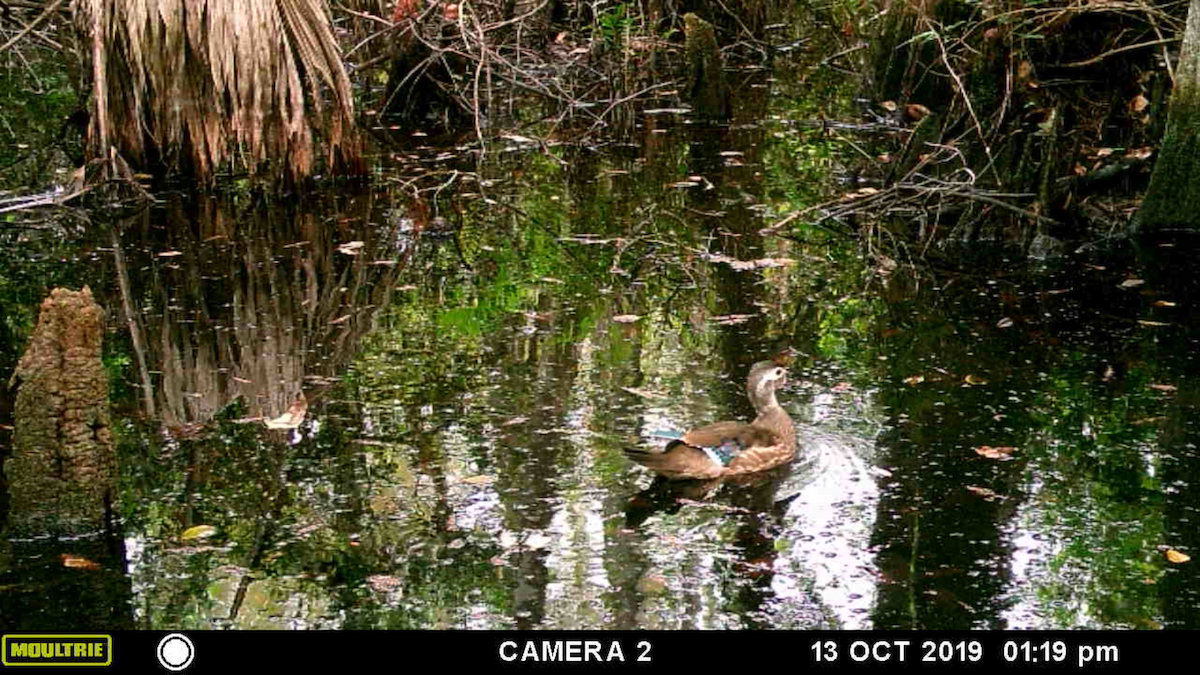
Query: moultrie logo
x: 58, y: 649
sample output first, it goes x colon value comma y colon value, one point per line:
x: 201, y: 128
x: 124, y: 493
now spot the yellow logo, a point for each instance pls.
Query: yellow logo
x: 30, y: 649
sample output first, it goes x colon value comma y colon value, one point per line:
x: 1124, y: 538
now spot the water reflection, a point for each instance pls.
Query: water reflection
x: 982, y: 444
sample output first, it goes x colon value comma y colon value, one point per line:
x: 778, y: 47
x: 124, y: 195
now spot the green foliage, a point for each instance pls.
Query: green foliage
x: 35, y: 100
x: 613, y: 26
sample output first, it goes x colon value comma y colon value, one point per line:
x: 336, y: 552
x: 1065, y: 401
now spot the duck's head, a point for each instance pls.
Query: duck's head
x: 766, y: 377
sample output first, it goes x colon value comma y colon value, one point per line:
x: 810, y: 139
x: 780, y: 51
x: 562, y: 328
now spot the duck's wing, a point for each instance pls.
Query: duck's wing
x: 761, y: 457
x: 678, y: 461
x: 711, y: 451
x: 742, y: 448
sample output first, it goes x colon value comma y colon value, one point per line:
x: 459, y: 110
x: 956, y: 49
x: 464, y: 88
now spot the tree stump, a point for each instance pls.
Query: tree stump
x: 709, y: 91
x: 62, y: 472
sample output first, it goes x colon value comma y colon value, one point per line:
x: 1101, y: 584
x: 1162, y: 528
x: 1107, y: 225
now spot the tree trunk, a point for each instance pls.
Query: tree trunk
x: 1173, y: 199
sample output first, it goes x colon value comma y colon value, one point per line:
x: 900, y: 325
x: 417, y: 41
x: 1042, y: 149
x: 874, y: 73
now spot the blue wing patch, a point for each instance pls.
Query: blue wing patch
x: 667, y: 434
x: 725, y: 452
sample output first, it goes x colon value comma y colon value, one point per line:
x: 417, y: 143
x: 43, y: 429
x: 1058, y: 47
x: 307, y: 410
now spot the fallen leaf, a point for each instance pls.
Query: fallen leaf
x: 914, y: 379
x: 1164, y: 387
x: 1004, y: 323
x: 169, y: 254
x: 1000, y: 452
x: 294, y: 415
x: 351, y: 247
x: 1156, y: 324
x: 644, y: 393
x: 974, y: 380
x: 626, y: 318
x: 1131, y: 283
x: 481, y: 479
x: 915, y: 112
x: 1163, y: 303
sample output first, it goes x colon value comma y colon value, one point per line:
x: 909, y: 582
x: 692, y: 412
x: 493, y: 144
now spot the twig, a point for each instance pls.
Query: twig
x: 51, y: 9
x: 1118, y: 50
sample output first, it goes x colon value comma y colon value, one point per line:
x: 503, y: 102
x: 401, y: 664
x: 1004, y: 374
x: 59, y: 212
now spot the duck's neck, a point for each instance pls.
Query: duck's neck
x: 772, y: 416
x: 765, y: 403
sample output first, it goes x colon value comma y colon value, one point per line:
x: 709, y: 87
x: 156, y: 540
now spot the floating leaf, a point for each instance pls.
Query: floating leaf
x: 626, y: 318
x: 1146, y: 322
x: 382, y: 583
x: 1131, y: 283
x: 1143, y: 152
x: 351, y: 247
x: 912, y: 380
x: 644, y: 393
x: 1163, y: 303
x: 1164, y: 387
x: 481, y: 479
x: 1000, y: 452
x: 197, y: 533
x: 987, y: 494
x: 78, y: 562
x: 1177, y: 557
x: 517, y: 139
x: 1004, y: 323
x: 170, y: 254
x: 651, y: 584
x: 974, y: 380
x: 294, y: 415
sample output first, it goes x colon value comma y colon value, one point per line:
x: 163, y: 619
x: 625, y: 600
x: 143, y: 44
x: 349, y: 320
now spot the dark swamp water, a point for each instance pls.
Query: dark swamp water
x: 477, y: 337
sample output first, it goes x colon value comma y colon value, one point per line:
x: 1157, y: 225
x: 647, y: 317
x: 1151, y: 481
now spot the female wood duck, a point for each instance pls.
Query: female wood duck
x: 731, y: 448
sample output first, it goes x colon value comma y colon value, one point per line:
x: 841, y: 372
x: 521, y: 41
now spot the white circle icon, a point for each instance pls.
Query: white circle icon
x: 175, y: 652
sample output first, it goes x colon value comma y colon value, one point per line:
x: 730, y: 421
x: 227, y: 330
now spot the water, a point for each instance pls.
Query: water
x: 1006, y: 446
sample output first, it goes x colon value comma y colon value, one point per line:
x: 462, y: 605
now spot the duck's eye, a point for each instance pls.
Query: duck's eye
x: 779, y: 373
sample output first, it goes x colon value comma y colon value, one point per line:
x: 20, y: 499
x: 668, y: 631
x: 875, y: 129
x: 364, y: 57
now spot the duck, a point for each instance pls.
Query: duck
x: 727, y: 449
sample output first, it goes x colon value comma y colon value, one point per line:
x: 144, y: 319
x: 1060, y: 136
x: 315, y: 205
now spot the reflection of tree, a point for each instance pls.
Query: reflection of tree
x: 255, y: 302
x: 940, y: 549
x: 1171, y: 271
x: 538, y: 372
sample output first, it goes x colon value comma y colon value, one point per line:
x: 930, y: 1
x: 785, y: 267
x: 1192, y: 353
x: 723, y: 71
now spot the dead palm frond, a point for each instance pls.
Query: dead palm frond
x: 185, y: 84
